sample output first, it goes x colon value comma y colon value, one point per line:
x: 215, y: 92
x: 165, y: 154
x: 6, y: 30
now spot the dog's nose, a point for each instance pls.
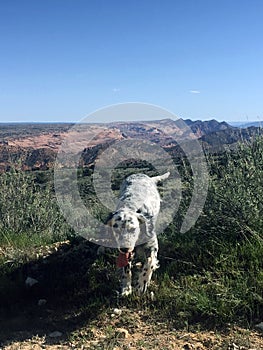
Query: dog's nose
x: 124, y: 250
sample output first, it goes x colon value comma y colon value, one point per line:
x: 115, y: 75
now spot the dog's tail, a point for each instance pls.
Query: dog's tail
x: 157, y: 179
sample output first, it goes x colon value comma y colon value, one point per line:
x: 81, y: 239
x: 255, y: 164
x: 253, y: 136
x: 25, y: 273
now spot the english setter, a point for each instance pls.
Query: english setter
x: 133, y: 225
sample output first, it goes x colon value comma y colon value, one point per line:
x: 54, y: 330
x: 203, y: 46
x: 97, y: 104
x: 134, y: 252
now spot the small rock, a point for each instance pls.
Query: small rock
x: 117, y: 312
x: 122, y: 333
x: 233, y: 346
x: 41, y: 302
x: 30, y: 282
x: 55, y: 334
x: 101, y: 250
x: 259, y: 326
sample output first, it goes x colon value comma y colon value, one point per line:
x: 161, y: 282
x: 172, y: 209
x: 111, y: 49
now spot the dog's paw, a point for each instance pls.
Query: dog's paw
x: 126, y: 291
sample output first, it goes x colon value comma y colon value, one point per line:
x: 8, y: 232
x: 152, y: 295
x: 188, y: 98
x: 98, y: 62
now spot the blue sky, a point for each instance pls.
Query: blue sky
x: 62, y: 59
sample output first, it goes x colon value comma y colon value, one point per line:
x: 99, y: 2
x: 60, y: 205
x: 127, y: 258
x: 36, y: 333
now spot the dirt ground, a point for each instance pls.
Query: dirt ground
x: 69, y: 308
x: 110, y: 335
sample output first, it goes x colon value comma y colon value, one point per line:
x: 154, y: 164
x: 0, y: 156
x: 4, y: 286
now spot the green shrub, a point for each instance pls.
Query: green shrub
x: 26, y: 207
x: 218, y: 264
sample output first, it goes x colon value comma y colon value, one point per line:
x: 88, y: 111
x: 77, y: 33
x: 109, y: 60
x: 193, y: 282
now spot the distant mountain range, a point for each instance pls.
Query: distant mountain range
x: 257, y: 124
x: 36, y: 145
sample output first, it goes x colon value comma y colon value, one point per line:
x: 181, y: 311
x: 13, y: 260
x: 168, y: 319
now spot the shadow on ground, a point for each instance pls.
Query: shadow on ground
x: 74, y: 287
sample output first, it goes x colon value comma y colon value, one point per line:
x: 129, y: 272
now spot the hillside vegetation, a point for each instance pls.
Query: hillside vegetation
x: 209, y: 277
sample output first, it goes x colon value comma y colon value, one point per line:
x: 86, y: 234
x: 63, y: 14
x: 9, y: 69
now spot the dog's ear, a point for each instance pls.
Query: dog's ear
x: 146, y: 224
x: 108, y: 221
x: 141, y: 218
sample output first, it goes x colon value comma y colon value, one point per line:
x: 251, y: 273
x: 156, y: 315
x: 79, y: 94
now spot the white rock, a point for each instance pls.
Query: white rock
x: 117, y: 311
x: 259, y: 326
x: 30, y: 281
x: 55, y: 334
x: 233, y: 346
x: 41, y: 302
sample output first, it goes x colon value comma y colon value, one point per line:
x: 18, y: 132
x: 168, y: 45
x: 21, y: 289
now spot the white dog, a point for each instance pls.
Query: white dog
x: 133, y: 225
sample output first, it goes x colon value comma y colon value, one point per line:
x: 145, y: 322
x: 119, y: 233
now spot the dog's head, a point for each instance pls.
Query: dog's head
x: 126, y: 226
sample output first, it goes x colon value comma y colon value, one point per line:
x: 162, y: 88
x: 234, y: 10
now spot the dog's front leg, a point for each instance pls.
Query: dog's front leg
x: 126, y: 280
x: 145, y: 275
